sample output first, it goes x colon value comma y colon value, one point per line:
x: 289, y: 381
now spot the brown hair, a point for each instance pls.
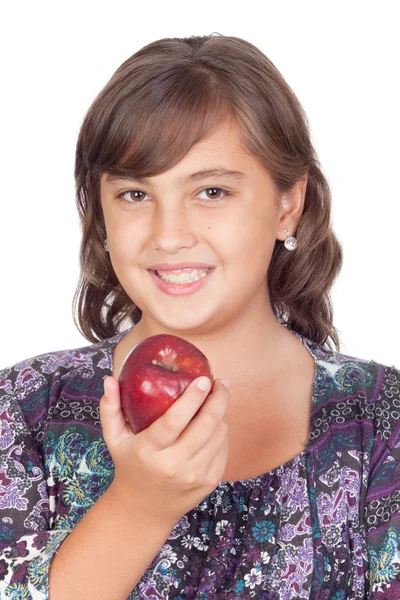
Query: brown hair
x: 157, y: 105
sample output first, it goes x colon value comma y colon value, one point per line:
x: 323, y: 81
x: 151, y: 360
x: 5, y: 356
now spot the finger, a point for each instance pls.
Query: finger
x: 205, y: 423
x: 167, y: 428
x: 114, y: 425
x: 211, y: 448
x: 217, y: 466
x: 210, y: 462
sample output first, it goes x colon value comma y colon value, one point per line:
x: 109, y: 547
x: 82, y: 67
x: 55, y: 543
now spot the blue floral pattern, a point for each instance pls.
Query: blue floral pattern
x: 325, y: 525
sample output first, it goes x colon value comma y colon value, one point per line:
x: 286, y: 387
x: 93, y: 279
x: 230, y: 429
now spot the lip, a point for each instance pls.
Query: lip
x: 177, y: 266
x: 184, y: 289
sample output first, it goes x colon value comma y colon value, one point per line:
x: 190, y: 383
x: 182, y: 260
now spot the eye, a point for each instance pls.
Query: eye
x: 215, y: 195
x: 122, y: 194
x: 213, y: 190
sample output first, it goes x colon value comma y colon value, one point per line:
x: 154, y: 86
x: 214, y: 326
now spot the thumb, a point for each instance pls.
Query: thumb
x: 114, y: 424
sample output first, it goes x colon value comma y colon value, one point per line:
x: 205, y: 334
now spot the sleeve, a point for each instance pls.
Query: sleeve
x: 382, y: 504
x: 27, y: 543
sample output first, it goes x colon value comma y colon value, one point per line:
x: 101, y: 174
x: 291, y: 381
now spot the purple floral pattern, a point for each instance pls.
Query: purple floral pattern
x: 325, y: 525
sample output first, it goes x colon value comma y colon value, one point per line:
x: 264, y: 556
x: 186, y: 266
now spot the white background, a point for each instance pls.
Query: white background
x: 341, y: 59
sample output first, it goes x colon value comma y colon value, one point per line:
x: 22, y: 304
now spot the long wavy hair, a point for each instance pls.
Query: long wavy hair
x: 159, y: 103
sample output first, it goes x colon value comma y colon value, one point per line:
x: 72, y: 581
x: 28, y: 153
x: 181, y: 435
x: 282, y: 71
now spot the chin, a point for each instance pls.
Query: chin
x: 184, y: 321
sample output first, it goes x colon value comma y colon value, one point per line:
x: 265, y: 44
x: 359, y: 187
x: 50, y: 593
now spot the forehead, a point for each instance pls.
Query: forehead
x: 225, y: 143
x: 221, y: 153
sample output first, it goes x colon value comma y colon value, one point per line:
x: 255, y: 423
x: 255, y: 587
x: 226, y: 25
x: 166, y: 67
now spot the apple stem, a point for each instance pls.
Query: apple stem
x: 161, y: 364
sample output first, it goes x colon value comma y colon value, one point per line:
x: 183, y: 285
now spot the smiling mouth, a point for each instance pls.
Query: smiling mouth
x: 185, y: 276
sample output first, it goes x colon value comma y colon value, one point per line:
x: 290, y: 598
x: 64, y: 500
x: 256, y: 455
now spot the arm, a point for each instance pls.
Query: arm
x: 27, y: 543
x: 107, y: 553
x: 30, y: 538
x: 382, y: 507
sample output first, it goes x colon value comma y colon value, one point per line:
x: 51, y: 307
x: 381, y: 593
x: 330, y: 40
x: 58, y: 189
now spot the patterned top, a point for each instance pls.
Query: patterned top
x: 325, y: 525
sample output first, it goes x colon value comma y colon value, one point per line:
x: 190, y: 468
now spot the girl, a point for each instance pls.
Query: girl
x: 206, y: 215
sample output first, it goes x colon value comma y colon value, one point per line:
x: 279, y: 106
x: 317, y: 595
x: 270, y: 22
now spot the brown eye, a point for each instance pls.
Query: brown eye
x: 135, y: 199
x: 214, y: 194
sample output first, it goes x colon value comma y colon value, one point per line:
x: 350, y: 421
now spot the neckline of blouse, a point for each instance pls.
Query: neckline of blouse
x: 313, y: 348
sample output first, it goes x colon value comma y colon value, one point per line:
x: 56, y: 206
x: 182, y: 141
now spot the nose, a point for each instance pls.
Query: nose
x: 171, y: 229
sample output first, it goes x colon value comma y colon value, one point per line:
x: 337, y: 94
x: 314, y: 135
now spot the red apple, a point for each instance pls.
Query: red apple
x: 155, y: 373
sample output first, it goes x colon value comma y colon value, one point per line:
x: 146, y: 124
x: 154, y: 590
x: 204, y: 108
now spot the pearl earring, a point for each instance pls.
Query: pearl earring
x: 290, y: 242
x: 106, y: 248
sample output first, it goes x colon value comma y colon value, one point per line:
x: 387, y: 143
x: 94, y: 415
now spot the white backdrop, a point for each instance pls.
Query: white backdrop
x: 341, y: 59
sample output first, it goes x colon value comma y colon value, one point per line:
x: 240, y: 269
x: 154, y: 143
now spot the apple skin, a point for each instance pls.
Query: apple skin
x: 155, y: 374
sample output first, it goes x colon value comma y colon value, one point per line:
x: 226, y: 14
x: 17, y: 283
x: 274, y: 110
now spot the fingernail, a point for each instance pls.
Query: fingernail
x: 106, y: 388
x: 203, y: 383
x: 225, y: 382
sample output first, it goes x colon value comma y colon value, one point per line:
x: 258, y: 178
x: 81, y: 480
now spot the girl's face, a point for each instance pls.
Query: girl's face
x: 230, y: 223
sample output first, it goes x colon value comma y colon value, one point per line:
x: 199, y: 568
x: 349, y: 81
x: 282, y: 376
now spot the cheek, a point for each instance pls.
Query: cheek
x: 245, y: 234
x: 131, y: 238
x: 249, y: 244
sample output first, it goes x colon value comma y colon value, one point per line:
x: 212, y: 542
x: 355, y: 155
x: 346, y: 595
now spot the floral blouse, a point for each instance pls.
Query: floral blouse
x: 325, y: 525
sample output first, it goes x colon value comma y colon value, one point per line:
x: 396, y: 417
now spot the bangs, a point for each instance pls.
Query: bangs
x: 152, y: 128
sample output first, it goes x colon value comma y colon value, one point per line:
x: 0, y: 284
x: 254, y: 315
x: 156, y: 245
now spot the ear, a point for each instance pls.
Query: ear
x: 292, y: 206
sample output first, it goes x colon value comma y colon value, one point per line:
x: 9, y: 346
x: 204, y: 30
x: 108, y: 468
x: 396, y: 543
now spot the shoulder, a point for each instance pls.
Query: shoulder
x: 346, y: 370
x: 42, y: 368
x: 373, y: 386
x: 36, y: 382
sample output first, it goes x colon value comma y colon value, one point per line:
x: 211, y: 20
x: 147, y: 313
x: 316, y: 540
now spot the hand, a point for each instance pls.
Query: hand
x: 172, y: 465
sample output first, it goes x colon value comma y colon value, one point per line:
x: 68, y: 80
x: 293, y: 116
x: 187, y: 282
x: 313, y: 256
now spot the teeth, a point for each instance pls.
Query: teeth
x: 184, y: 277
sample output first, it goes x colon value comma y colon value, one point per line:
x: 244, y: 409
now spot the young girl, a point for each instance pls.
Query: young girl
x: 206, y: 215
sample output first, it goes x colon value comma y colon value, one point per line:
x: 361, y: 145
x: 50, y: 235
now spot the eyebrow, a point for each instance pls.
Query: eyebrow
x: 226, y: 174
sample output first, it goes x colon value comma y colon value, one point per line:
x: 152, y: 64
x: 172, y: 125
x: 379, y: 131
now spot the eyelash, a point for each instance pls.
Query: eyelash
x: 208, y: 201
